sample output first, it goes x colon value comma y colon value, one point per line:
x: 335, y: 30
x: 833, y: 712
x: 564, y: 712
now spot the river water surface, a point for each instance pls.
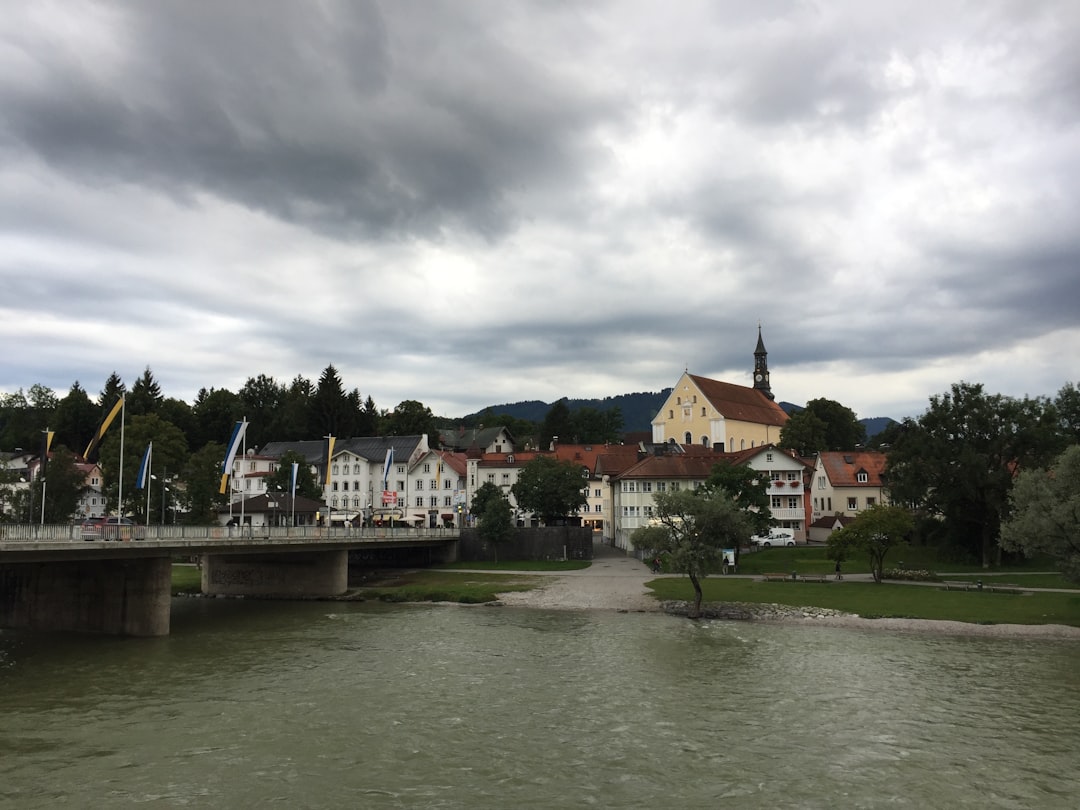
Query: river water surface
x: 318, y: 704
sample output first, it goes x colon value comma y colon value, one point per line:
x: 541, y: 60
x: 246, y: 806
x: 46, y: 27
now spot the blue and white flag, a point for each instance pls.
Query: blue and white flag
x: 386, y: 466
x: 295, y: 470
x: 230, y: 453
x: 143, y: 478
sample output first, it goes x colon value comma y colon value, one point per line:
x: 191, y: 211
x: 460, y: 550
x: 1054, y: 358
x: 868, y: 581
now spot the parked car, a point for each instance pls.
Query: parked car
x: 775, y: 537
x: 112, y: 528
x: 91, y: 528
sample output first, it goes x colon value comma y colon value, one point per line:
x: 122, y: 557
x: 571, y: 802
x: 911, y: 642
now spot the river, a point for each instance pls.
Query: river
x: 317, y: 704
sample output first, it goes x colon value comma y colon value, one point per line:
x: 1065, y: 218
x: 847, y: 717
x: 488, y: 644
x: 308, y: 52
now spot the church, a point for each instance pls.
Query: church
x: 720, y: 415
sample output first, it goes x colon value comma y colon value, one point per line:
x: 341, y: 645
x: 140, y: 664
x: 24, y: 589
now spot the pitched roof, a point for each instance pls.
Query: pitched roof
x: 676, y: 466
x: 740, y: 403
x: 372, y: 448
x: 843, y: 467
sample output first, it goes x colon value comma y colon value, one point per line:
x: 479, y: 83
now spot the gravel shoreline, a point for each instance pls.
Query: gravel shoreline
x: 619, y: 584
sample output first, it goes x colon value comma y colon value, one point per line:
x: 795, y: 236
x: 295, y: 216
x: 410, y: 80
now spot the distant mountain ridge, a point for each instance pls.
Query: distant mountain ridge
x: 638, y: 410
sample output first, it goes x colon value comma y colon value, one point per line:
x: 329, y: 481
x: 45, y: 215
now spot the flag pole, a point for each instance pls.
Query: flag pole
x: 120, y: 492
x: 243, y: 455
x: 149, y: 477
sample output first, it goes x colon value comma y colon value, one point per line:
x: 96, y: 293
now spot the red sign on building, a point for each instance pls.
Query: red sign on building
x: 389, y: 498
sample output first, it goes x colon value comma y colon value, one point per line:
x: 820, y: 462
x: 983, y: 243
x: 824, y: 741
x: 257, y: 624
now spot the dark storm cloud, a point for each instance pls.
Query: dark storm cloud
x: 338, y: 116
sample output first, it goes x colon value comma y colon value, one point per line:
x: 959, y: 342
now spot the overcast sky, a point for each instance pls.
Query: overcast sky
x: 470, y: 203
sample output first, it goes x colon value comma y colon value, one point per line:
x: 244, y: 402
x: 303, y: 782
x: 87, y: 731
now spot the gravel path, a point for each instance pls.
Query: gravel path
x: 617, y: 582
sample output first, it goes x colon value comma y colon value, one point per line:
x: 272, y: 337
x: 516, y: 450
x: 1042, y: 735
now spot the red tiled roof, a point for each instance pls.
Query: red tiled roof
x: 676, y: 466
x: 740, y: 403
x: 843, y: 467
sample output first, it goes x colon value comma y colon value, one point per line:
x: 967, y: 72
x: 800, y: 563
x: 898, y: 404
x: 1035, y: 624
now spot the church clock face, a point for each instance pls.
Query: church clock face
x: 758, y: 377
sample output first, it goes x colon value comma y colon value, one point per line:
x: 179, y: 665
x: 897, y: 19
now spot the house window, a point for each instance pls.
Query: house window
x: 775, y: 502
x: 687, y: 438
x: 792, y: 476
x: 400, y: 486
x: 506, y: 479
x: 646, y: 486
x: 678, y: 400
x: 862, y: 477
x: 420, y: 501
x: 446, y: 501
x: 597, y: 493
x: 792, y: 502
x: 433, y: 501
x: 671, y: 414
x: 427, y: 468
x: 829, y: 507
x: 335, y: 486
x: 598, y: 508
x: 674, y: 486
x: 648, y: 511
x: 768, y: 456
x: 419, y: 484
x: 871, y: 501
x: 821, y: 482
x: 491, y: 478
x: 702, y: 411
x: 345, y: 486
x: 853, y: 504
x: 401, y: 469
x: 704, y: 441
x: 661, y: 486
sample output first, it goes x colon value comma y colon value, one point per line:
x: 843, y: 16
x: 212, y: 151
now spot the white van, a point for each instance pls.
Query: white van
x: 775, y: 537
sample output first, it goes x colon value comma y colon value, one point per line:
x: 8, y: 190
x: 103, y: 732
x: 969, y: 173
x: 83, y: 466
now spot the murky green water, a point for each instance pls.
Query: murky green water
x: 346, y: 705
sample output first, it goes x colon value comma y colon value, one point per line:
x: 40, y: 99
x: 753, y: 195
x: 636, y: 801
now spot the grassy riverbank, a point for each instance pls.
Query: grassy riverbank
x: 886, y: 600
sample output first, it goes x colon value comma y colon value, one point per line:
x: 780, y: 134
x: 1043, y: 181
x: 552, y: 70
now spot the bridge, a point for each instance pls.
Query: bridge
x: 52, y: 579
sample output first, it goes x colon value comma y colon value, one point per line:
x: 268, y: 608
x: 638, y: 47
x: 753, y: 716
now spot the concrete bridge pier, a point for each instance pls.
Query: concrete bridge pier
x: 287, y: 575
x: 125, y: 597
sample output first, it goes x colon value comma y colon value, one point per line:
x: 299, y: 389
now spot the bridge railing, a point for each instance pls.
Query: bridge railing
x: 65, y: 533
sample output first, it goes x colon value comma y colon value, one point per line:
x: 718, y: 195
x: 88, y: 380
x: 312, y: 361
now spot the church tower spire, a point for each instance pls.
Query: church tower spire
x: 761, y: 367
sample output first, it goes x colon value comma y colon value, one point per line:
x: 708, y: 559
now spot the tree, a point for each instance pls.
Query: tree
x: 412, y: 418
x: 557, y: 424
x: 593, y: 426
x: 693, y: 528
x: 823, y: 424
x: 486, y: 494
x: 1045, y: 513
x: 201, y: 496
x: 76, y: 418
x: 145, y: 396
x: 281, y: 478
x: 330, y: 405
x: 216, y: 412
x: 170, y: 453
x: 496, y: 523
x: 874, y: 532
x: 551, y: 489
x: 957, y: 461
x: 63, y: 485
x: 1067, y: 405
x: 748, y: 489
x: 262, y: 399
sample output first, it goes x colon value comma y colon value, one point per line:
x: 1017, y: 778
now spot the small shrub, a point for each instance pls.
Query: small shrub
x: 911, y: 575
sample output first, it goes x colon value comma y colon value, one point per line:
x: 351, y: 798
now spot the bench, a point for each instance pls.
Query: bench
x: 1002, y: 587
x: 776, y: 577
x: 960, y: 586
x: 813, y: 577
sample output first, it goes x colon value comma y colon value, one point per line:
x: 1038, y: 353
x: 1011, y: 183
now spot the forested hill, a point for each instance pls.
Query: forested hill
x: 638, y: 410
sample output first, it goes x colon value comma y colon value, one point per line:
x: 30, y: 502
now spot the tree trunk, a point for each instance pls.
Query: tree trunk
x: 695, y: 609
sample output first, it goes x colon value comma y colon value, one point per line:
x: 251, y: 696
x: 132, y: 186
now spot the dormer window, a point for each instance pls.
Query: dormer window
x: 862, y: 477
x: 510, y: 459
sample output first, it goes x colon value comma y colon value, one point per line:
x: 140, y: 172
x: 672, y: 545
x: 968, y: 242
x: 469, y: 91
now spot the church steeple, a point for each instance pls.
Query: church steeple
x: 761, y: 367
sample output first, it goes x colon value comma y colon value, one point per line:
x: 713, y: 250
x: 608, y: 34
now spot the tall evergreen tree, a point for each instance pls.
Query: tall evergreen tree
x: 145, y: 396
x: 262, y: 399
x: 114, y: 388
x: 76, y: 418
x: 331, y: 405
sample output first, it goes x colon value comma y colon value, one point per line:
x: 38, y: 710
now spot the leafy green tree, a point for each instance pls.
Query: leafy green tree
x: 1045, y: 515
x: 551, y: 489
x: 298, y: 421
x: 170, y: 453
x: 145, y: 396
x: 262, y: 399
x: 823, y: 425
x: 281, y: 478
x: 1067, y: 405
x: 748, y: 489
x: 63, y: 484
x: 593, y: 426
x: 496, y: 524
x: 200, y: 497
x: 76, y: 418
x: 957, y: 461
x: 12, y: 505
x: 874, y: 532
x: 411, y: 418
x: 486, y: 494
x: 216, y: 412
x: 692, y: 529
x: 557, y: 423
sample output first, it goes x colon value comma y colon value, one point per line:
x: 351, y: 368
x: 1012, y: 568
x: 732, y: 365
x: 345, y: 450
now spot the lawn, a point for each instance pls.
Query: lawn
x: 186, y: 579
x: 893, y: 600
x: 444, y: 586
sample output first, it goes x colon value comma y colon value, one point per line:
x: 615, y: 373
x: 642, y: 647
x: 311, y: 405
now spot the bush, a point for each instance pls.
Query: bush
x: 911, y: 575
